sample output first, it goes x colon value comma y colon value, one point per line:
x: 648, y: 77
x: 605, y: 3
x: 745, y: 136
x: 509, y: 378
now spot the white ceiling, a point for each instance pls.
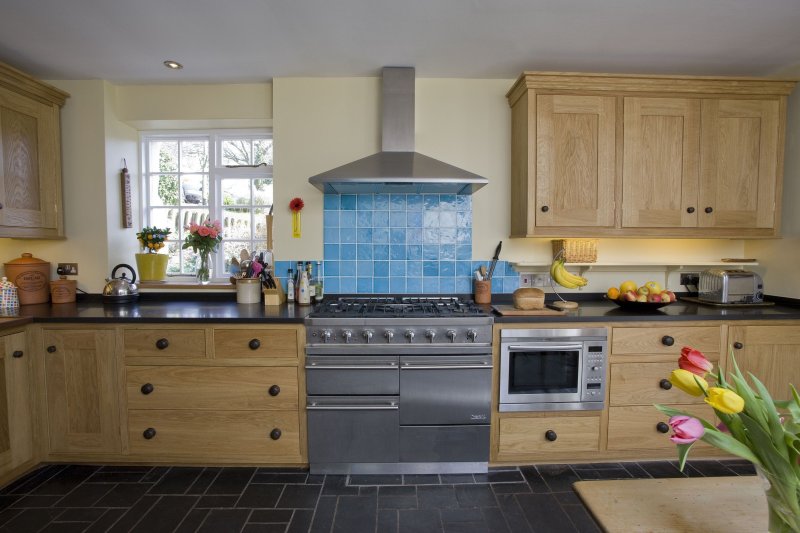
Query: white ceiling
x: 125, y: 41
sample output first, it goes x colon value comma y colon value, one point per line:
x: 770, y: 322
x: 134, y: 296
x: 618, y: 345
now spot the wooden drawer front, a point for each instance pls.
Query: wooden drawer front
x: 640, y: 384
x: 190, y: 343
x: 634, y: 428
x: 215, y: 434
x: 519, y: 436
x: 246, y: 343
x: 651, y: 340
x: 191, y: 387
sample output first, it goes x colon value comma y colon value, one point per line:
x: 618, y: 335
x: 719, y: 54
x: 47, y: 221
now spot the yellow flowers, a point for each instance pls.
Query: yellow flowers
x: 685, y: 381
x: 724, y: 400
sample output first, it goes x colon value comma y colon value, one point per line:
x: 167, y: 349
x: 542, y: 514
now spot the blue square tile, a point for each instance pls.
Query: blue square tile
x: 331, y: 269
x: 366, y: 202
x: 464, y: 252
x: 382, y: 201
x: 447, y: 285
x: 464, y: 202
x: 464, y: 268
x: 380, y: 251
x: 364, y: 219
x: 381, y: 269
x: 430, y: 285
x: 397, y: 285
x: 414, y: 202
x: 447, y: 268
x: 364, y: 285
x: 397, y: 219
x: 397, y: 235
x: 364, y: 235
x: 430, y: 236
x: 380, y: 235
x: 430, y: 268
x: 380, y: 219
x: 281, y: 267
x: 447, y: 219
x: 347, y: 268
x: 414, y: 219
x: 364, y: 251
x: 380, y: 285
x: 398, y: 202
x: 330, y: 235
x: 447, y: 251
x: 510, y: 284
x: 414, y: 235
x: 347, y: 285
x: 348, y: 202
x: 464, y: 236
x: 398, y: 252
x: 430, y: 201
x: 447, y: 202
x: 414, y: 251
x: 347, y: 219
x: 330, y: 219
x: 414, y: 285
x: 477, y: 264
x: 414, y: 269
x: 430, y: 219
x: 347, y: 251
x: 397, y: 269
x: 365, y: 269
x: 331, y: 251
x: 463, y: 285
x: 331, y: 201
x: 447, y: 236
x: 347, y: 235
x: 332, y: 285
x: 464, y: 219
x: 430, y: 252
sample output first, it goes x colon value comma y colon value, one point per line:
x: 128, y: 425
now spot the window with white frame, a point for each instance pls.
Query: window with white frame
x: 194, y: 176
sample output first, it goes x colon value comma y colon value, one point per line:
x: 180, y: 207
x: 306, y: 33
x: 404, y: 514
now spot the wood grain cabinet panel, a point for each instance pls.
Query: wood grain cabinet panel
x: 771, y: 353
x: 250, y: 343
x: 16, y: 437
x: 186, y: 343
x: 645, y: 384
x: 521, y: 436
x: 637, y: 427
x: 665, y: 340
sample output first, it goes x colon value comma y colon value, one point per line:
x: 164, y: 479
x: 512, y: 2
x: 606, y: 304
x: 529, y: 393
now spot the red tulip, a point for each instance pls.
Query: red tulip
x: 685, y: 429
x: 694, y: 361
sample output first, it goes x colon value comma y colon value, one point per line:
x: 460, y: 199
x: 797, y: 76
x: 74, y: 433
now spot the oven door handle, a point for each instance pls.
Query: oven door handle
x: 323, y: 366
x: 412, y: 366
x: 385, y: 407
x: 530, y: 347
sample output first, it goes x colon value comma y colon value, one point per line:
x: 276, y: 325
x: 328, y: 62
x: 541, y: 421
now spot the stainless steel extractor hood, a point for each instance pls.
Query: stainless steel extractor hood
x: 398, y: 168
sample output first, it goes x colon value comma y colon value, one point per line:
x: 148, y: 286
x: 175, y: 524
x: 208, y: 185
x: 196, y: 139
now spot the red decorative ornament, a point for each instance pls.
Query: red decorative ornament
x: 296, y: 204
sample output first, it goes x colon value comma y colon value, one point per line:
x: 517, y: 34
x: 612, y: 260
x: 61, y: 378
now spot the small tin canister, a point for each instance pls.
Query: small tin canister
x: 8, y: 295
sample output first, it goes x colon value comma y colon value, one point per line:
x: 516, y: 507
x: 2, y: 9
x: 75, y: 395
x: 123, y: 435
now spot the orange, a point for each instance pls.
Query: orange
x: 613, y: 293
x: 628, y: 286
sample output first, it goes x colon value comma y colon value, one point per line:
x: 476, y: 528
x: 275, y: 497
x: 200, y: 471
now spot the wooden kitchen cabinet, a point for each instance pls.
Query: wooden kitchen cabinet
x: 82, y: 390
x: 16, y: 432
x: 771, y: 353
x: 529, y: 437
x: 30, y: 156
x: 637, y: 155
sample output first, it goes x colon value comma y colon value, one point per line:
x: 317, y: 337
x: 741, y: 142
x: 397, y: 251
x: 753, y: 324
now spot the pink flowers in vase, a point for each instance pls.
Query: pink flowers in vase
x: 203, y: 238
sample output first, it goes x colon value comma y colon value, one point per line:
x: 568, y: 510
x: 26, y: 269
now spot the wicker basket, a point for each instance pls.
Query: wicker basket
x: 576, y: 250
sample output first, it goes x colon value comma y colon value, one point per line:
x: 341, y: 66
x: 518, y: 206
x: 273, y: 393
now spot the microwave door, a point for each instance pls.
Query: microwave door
x: 542, y: 373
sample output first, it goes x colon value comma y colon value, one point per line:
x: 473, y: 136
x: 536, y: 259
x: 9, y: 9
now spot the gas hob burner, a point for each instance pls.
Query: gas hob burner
x: 397, y: 307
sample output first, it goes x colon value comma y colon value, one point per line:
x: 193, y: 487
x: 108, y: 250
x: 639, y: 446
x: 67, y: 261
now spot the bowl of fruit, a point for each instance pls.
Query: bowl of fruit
x: 647, y: 297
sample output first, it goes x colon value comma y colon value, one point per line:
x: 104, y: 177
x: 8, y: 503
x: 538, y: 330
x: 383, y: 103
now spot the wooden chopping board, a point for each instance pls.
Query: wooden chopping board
x: 510, y: 310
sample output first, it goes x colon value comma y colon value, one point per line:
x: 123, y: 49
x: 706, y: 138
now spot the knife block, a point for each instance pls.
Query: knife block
x: 275, y: 296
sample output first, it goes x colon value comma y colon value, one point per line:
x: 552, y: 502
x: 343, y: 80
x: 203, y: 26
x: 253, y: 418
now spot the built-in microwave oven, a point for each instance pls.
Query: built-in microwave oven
x: 553, y: 369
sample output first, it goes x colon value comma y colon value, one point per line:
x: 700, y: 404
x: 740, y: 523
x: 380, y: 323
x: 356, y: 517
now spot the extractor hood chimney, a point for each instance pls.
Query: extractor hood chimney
x: 398, y: 168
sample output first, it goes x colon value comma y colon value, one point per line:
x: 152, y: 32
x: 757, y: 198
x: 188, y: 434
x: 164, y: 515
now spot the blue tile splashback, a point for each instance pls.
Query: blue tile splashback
x: 401, y: 244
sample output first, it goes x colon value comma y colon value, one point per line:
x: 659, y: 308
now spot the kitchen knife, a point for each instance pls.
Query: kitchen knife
x: 494, y: 259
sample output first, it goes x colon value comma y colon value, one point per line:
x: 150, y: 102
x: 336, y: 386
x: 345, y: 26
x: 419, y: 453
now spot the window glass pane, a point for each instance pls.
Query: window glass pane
x: 233, y: 249
x: 262, y: 151
x: 260, y: 222
x: 236, y: 192
x: 163, y: 156
x: 194, y: 189
x: 164, y: 189
x: 166, y: 218
x: 194, y: 156
x: 262, y: 191
x: 236, y: 223
x: 237, y: 152
x: 190, y: 261
x: 174, y: 252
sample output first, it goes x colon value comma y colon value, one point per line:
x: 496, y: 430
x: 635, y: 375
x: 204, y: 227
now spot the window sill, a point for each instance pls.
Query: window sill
x: 186, y: 286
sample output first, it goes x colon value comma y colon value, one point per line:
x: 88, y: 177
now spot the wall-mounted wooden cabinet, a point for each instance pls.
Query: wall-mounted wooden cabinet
x: 625, y: 155
x: 30, y: 157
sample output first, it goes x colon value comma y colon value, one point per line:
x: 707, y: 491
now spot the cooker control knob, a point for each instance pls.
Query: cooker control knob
x: 430, y: 335
x: 451, y: 334
x: 595, y: 368
x: 367, y: 334
x: 389, y: 334
x: 325, y: 334
x: 347, y: 334
x: 472, y: 335
x: 410, y: 335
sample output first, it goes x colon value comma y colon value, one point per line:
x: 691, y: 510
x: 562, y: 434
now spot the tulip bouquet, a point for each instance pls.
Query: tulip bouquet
x: 751, y: 427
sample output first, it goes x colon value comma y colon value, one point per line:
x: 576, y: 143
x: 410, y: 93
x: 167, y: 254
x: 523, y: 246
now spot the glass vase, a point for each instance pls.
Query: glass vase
x: 782, y: 503
x: 204, y: 268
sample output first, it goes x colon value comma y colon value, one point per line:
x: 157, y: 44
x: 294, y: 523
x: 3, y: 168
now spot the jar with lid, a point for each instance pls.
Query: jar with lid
x: 32, y: 278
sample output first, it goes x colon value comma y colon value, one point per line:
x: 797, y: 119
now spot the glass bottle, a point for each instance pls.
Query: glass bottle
x: 290, y: 286
x: 312, y: 286
x: 319, y: 292
x: 302, y: 295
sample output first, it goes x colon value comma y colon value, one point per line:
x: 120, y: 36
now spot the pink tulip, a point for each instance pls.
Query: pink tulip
x: 694, y: 361
x: 686, y: 429
x: 723, y: 428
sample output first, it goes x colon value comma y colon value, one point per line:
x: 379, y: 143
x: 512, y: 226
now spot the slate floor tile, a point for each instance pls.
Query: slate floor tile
x: 454, y: 479
x: 283, y: 516
x: 421, y: 479
x: 337, y: 485
x: 299, y: 497
x: 510, y: 488
x: 559, y: 477
x: 356, y: 514
x: 105, y: 522
x: 279, y: 477
x: 323, y: 516
x: 132, y: 517
x: 176, y: 481
x: 437, y: 497
x: 211, y: 501
x: 301, y: 521
x: 264, y: 528
x: 419, y: 521
x: 475, y: 496
x: 581, y: 518
x: 193, y: 520
x: 123, y: 495
x: 371, y: 479
x: 661, y: 469
x: 543, y: 513
x: 204, y: 480
x: 711, y: 468
x: 26, y: 502
x: 31, y: 520
x: 387, y: 521
x: 85, y: 495
x: 65, y: 527
x: 166, y: 514
x: 231, y: 481
x: 258, y: 495
x: 495, y: 520
x: 224, y: 521
x: 80, y: 514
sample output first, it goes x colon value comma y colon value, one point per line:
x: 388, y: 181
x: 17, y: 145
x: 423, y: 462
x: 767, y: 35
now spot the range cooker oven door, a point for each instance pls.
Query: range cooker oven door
x: 352, y: 375
x: 445, y: 405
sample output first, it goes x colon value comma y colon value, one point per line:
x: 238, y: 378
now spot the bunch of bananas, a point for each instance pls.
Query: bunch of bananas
x: 565, y: 278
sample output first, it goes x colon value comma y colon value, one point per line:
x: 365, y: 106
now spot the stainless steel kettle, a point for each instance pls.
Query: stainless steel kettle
x: 121, y: 289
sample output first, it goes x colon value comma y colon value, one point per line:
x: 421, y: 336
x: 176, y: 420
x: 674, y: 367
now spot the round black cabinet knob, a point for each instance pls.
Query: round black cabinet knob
x: 550, y: 435
x: 709, y: 209
x: 149, y: 433
x: 254, y: 344
x: 147, y: 388
x: 274, y: 390
x: 690, y: 210
x: 545, y: 209
x: 665, y: 384
x: 662, y: 427
x: 162, y: 344
x: 738, y: 345
x: 275, y: 434
x: 51, y: 349
x: 666, y: 340
x: 17, y: 354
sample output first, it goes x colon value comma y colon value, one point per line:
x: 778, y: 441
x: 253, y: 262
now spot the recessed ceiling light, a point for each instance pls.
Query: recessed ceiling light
x: 174, y: 65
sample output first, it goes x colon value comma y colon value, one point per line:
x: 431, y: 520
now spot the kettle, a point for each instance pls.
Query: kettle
x: 121, y: 289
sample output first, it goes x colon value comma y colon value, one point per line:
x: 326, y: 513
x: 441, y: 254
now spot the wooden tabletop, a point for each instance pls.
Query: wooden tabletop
x: 708, y: 504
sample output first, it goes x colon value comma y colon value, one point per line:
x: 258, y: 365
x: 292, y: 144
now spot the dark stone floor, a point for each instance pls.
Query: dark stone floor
x: 77, y: 498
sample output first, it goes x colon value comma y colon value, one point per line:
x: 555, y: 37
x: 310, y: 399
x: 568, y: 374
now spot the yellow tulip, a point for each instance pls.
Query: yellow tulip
x: 724, y: 400
x: 685, y: 381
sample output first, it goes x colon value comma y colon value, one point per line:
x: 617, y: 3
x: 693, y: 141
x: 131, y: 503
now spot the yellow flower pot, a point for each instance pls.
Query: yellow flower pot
x: 152, y: 267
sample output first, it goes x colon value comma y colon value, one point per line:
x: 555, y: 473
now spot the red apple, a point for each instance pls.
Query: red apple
x: 665, y: 297
x: 641, y: 298
x: 628, y: 296
x: 643, y: 291
x: 654, y: 298
x: 672, y: 297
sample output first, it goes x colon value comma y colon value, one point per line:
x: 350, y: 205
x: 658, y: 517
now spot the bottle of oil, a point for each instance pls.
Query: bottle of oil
x: 303, y: 297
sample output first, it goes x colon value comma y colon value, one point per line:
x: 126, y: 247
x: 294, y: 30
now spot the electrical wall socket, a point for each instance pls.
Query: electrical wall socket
x: 67, y: 269
x: 525, y: 280
x: 540, y: 280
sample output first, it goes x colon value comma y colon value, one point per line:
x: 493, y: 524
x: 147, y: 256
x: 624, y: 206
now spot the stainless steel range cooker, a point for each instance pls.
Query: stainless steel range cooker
x: 398, y: 385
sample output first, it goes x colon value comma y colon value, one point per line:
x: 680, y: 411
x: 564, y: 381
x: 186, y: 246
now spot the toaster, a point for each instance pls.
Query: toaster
x: 730, y: 286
